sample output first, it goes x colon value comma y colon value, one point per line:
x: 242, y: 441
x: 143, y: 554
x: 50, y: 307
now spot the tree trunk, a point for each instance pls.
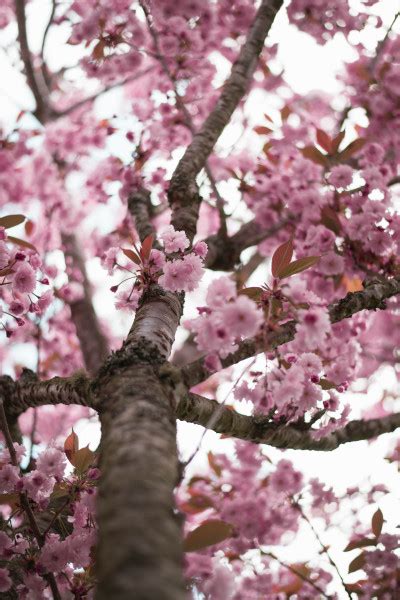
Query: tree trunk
x: 140, y: 540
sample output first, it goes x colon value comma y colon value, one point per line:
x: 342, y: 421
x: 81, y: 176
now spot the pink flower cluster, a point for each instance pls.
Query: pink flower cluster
x: 26, y: 561
x: 226, y: 319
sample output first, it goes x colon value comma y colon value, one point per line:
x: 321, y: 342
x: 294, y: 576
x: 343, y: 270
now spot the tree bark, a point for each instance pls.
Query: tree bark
x: 140, y: 541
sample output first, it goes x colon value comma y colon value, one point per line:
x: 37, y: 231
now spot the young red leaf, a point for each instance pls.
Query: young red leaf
x: 298, y: 266
x: 147, y: 245
x: 261, y: 130
x: 352, y: 148
x: 11, y: 221
x: 337, y: 141
x: 362, y: 543
x: 324, y: 141
x: 71, y: 445
x: 214, y: 464
x: 357, y: 563
x: 315, y: 155
x: 254, y: 293
x: 23, y: 243
x: 208, y: 533
x: 377, y: 523
x: 281, y: 257
x: 82, y: 459
x: 132, y: 256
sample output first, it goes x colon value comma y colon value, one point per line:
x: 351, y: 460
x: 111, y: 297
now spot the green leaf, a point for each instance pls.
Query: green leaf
x: 362, y: 543
x: 208, y: 533
x: 298, y: 266
x: 357, y: 563
x: 19, y: 242
x: 132, y: 256
x: 11, y: 221
x: 377, y: 523
x: 281, y: 257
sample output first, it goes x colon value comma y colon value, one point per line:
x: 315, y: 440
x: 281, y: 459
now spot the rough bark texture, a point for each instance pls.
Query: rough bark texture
x: 259, y: 429
x: 140, y: 547
x: 29, y: 392
x: 183, y: 193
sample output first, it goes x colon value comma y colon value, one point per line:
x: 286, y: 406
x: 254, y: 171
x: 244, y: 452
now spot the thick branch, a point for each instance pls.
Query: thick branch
x: 93, y: 343
x: 30, y: 392
x: 371, y: 298
x: 183, y: 193
x: 42, y: 110
x: 224, y: 253
x: 259, y: 429
x: 139, y: 206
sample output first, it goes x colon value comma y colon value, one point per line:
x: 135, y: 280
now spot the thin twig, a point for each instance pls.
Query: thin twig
x: 186, y: 114
x: 40, y: 538
x: 324, y: 548
x: 296, y: 572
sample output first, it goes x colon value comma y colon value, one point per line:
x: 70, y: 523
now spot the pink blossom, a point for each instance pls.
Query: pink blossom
x: 19, y: 305
x: 5, y: 580
x: 220, y: 291
x: 24, y: 279
x: 331, y: 264
x: 127, y: 300
x: 174, y: 241
x: 241, y: 317
x: 51, y: 462
x: 311, y: 363
x: 4, y: 255
x: 314, y: 325
x: 45, y: 300
x: 182, y: 274
x: 200, y: 249
x: 341, y: 176
x: 9, y: 476
x: 156, y: 260
x: 109, y: 259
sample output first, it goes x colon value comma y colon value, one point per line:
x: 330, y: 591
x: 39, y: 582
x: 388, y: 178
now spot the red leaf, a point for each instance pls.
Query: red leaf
x: 324, y: 141
x: 29, y: 227
x: 352, y: 148
x: 298, y: 266
x: 11, y: 221
x: 132, y: 255
x: 71, y: 446
x: 285, y: 112
x: 147, y: 245
x: 254, y: 293
x: 208, y: 533
x: 315, y: 155
x: 213, y: 464
x: 337, y: 141
x: 261, y: 130
x: 362, y: 543
x: 357, y: 563
x: 377, y: 523
x: 282, y: 257
x: 23, y: 243
x: 82, y: 459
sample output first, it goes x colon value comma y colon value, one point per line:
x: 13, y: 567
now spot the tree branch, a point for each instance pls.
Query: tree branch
x: 42, y: 111
x: 30, y: 392
x: 183, y: 192
x: 139, y: 206
x: 371, y: 298
x: 260, y: 430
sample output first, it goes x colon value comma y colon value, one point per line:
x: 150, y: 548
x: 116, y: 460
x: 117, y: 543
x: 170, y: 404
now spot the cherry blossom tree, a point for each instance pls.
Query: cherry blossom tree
x: 249, y: 249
